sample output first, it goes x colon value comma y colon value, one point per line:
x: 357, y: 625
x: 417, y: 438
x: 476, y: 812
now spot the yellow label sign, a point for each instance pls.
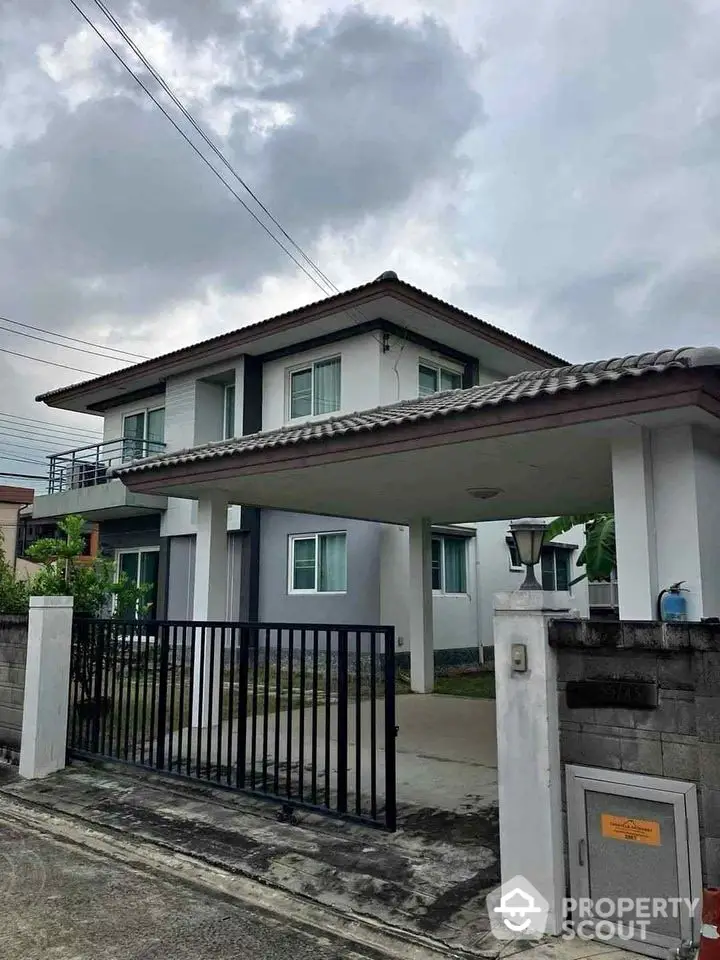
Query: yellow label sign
x: 627, y: 828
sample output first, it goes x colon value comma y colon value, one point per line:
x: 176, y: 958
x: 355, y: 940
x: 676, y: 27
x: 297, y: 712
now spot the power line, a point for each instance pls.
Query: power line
x: 25, y: 446
x: 62, y: 336
x: 326, y: 281
x: 213, y: 146
x: 7, y: 456
x: 64, y: 346
x: 10, y: 431
x: 36, y: 433
x: 193, y: 146
x: 52, y: 363
x: 48, y: 424
x: 24, y: 476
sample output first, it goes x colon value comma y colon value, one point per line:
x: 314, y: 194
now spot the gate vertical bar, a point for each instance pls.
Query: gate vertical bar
x: 243, y: 668
x: 390, y: 771
x: 342, y: 722
x: 163, y: 638
x: 98, y: 635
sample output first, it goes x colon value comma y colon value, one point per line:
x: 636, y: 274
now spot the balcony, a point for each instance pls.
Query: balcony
x: 79, y: 482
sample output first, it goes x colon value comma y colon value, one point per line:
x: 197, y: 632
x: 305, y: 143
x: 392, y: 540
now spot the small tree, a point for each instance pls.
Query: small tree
x: 93, y: 586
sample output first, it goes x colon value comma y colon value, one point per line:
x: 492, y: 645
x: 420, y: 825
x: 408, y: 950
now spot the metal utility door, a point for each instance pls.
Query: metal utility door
x: 634, y: 836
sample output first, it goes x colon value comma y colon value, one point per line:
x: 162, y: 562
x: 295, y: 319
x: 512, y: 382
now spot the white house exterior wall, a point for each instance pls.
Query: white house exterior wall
x: 359, y: 377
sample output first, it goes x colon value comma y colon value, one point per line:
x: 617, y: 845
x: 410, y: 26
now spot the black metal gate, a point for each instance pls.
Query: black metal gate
x: 302, y: 713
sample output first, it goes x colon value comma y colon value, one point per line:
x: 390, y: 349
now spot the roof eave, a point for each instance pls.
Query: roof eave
x: 217, y: 347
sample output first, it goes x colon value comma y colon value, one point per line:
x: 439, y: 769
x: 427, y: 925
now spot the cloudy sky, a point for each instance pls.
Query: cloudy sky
x: 550, y: 166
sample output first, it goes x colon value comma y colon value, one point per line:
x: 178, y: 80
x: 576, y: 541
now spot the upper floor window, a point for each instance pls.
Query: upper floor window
x: 315, y: 389
x: 143, y: 433
x: 449, y: 564
x: 318, y: 563
x: 555, y: 568
x: 433, y: 378
x: 228, y: 411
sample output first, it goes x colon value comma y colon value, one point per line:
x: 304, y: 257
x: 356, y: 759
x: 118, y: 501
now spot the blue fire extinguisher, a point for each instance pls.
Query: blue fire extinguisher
x: 672, y: 605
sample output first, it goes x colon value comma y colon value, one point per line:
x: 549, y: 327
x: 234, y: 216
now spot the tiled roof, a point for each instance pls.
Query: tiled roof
x: 383, y: 280
x: 521, y: 386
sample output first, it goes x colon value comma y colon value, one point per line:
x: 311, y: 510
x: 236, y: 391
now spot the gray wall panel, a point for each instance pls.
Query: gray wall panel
x: 181, y: 576
x: 361, y: 603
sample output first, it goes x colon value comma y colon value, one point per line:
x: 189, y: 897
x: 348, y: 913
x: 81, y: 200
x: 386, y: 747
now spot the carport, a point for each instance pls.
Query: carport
x: 638, y: 435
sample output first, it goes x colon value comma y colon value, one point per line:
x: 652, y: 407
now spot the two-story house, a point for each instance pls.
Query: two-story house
x: 372, y: 345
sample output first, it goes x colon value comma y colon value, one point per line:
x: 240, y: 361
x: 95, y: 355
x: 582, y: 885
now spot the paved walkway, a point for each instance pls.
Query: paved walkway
x: 414, y: 895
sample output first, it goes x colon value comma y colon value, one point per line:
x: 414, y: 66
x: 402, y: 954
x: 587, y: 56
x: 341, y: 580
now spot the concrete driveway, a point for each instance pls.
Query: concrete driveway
x: 446, y: 752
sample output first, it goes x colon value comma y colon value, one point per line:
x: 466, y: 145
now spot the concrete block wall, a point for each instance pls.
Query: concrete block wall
x: 680, y: 739
x: 13, y: 652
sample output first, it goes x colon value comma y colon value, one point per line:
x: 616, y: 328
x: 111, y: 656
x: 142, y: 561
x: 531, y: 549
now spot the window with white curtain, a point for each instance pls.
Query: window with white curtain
x: 449, y: 564
x: 433, y: 378
x: 315, y: 389
x: 317, y: 563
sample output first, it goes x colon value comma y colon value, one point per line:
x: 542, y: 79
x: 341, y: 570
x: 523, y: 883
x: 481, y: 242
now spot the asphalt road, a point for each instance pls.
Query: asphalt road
x: 63, y: 902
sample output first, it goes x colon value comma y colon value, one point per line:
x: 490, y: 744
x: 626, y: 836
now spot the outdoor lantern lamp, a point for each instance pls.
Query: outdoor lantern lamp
x: 528, y: 536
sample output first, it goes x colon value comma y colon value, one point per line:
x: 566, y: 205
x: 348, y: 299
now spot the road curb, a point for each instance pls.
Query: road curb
x: 231, y: 883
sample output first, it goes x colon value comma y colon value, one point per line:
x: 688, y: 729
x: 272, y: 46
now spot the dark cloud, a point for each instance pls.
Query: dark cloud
x: 109, y: 211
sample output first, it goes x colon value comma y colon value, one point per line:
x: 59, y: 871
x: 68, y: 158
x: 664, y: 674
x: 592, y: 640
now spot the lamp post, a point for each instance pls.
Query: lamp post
x: 528, y: 536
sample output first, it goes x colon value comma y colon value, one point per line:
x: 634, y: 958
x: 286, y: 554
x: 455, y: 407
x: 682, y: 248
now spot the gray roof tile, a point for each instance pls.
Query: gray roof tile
x: 521, y: 386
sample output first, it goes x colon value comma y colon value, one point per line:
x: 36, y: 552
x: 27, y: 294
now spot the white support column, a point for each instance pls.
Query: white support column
x: 634, y: 509
x: 209, y: 603
x: 47, y: 687
x: 529, y: 772
x: 422, y: 663
x: 667, y: 519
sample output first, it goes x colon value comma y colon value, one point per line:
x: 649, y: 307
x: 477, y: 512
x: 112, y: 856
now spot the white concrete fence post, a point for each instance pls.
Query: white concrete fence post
x: 529, y: 773
x: 43, y: 745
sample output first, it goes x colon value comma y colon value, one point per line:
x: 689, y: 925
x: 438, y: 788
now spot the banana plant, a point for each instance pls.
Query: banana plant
x: 598, y: 555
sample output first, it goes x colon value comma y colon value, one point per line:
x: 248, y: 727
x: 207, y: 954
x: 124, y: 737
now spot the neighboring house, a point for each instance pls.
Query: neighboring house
x: 30, y: 530
x: 378, y: 343
x: 12, y: 501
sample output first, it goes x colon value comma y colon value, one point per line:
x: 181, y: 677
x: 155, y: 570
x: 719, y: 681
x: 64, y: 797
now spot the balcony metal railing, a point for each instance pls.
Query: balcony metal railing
x: 89, y: 466
x: 603, y: 593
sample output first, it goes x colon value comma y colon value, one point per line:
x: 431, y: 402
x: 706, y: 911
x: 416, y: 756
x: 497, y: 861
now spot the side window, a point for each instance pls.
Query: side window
x: 555, y: 568
x: 228, y: 411
x: 433, y: 378
x: 317, y: 563
x: 449, y: 564
x: 315, y: 389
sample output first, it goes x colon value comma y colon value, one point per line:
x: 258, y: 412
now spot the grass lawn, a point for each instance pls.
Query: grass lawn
x: 479, y: 685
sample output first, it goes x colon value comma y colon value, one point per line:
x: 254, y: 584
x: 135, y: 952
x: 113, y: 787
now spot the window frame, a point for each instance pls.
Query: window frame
x: 145, y: 411
x: 512, y: 549
x: 301, y: 368
x: 227, y: 387
x: 442, y: 592
x: 293, y: 538
x: 439, y: 368
x: 558, y: 551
